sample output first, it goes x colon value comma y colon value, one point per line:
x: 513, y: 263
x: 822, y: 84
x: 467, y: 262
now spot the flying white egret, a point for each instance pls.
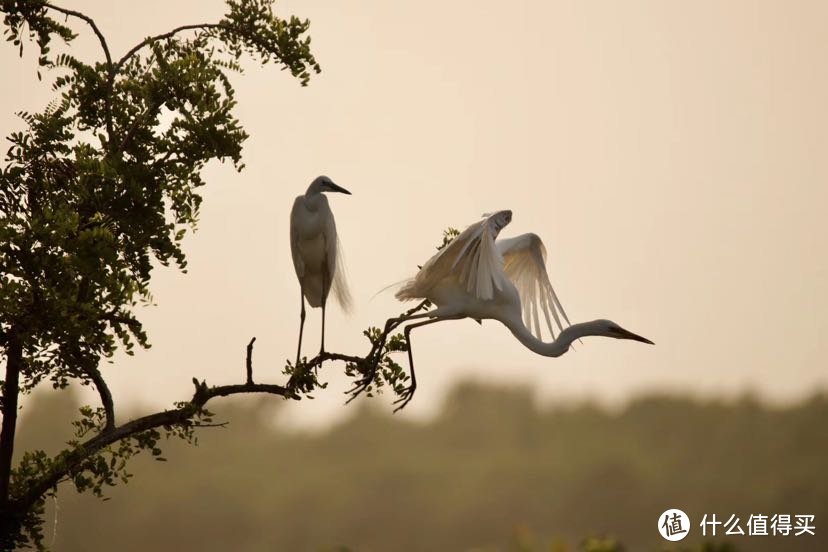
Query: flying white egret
x: 316, y: 253
x: 476, y: 277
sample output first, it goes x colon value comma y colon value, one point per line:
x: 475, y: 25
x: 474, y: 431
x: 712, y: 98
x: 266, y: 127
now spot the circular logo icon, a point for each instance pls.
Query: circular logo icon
x: 673, y: 524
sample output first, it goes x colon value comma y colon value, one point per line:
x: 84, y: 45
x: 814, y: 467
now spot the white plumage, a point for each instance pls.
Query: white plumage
x: 316, y: 251
x: 524, y: 263
x: 478, y: 276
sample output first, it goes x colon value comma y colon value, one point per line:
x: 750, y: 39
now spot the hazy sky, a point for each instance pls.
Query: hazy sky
x: 673, y: 156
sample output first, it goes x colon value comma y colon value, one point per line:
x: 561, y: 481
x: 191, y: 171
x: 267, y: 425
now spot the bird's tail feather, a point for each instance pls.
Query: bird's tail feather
x: 340, y: 282
x: 390, y: 286
x: 409, y: 290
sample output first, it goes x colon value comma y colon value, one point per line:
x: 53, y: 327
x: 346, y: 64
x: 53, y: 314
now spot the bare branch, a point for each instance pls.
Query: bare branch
x: 106, y: 397
x: 249, y: 361
x: 70, y: 459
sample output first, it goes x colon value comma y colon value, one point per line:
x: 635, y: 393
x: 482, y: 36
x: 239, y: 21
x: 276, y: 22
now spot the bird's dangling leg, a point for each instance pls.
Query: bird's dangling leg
x: 325, y: 288
x: 378, y: 351
x: 301, y: 326
x: 322, y: 347
x: 408, y: 393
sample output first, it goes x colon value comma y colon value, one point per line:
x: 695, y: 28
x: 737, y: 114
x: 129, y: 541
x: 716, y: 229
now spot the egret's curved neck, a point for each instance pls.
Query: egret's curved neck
x: 314, y: 199
x: 553, y: 348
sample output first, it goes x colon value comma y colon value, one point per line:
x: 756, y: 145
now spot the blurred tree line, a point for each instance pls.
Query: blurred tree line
x: 492, y: 472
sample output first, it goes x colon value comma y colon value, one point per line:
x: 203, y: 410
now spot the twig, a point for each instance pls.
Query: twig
x: 110, y: 68
x: 91, y: 23
x: 249, y: 361
x: 168, y: 34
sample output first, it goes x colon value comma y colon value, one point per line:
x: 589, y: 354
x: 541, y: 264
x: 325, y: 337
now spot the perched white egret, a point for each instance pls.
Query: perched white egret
x: 477, y: 277
x: 316, y: 252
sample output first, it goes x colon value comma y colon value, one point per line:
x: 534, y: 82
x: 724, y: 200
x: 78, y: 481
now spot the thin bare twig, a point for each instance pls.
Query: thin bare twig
x: 249, y: 361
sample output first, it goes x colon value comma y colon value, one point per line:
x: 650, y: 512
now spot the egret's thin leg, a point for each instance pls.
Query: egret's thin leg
x: 399, y: 320
x: 322, y: 348
x: 390, y: 325
x: 325, y: 291
x: 301, y: 325
x: 409, y: 393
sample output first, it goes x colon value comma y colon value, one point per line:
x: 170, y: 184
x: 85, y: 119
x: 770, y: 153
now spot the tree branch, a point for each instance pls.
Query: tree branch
x: 91, y: 23
x: 110, y: 68
x: 169, y: 34
x: 106, y: 396
x: 71, y: 459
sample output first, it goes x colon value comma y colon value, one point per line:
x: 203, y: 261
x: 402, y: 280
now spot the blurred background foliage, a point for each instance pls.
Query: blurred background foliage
x: 492, y: 472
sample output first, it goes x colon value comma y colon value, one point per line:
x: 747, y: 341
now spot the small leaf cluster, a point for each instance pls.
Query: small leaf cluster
x: 448, y: 236
x: 252, y: 29
x: 26, y: 20
x: 388, y: 371
x: 303, y: 378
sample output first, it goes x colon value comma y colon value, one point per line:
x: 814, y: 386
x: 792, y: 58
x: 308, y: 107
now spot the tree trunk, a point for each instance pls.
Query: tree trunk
x: 11, y: 388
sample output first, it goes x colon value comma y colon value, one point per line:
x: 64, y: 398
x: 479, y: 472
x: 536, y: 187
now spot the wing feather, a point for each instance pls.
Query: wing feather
x: 524, y: 263
x: 471, y: 257
x: 295, y: 214
x: 336, y: 264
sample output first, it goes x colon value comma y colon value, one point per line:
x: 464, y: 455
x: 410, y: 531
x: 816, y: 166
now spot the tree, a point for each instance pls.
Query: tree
x: 93, y: 191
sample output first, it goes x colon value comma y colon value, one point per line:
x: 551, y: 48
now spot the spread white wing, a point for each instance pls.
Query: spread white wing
x: 524, y: 262
x: 472, y: 258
